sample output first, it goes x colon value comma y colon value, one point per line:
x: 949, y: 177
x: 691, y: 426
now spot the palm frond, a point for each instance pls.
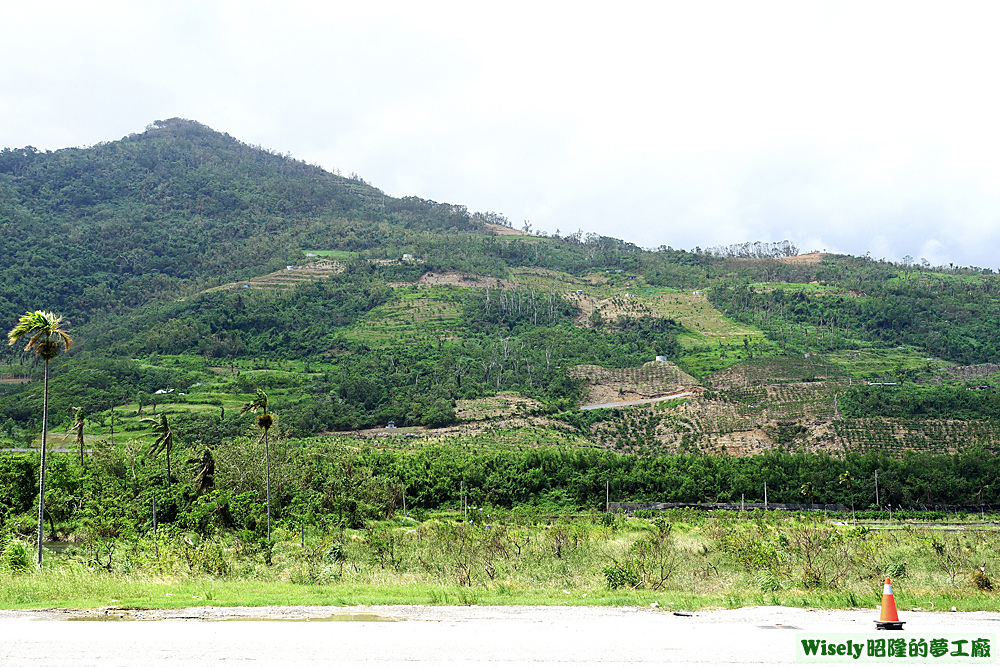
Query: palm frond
x: 259, y: 402
x: 44, y: 330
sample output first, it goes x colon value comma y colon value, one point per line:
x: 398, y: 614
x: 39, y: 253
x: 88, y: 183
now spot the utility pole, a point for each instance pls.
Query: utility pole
x: 607, y: 496
x: 876, y: 489
x: 765, y: 495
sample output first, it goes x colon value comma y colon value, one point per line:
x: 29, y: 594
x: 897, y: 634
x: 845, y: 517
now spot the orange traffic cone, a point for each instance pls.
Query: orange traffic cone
x: 889, y: 619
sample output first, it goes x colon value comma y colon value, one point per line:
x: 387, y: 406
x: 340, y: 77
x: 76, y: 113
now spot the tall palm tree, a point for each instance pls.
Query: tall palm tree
x: 265, y: 421
x: 204, y: 471
x: 164, y: 438
x: 77, y: 429
x: 807, y: 491
x: 847, y: 479
x: 47, y: 338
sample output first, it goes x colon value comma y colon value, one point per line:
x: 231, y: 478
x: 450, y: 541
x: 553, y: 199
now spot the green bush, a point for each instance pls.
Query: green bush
x: 622, y: 575
x: 17, y: 556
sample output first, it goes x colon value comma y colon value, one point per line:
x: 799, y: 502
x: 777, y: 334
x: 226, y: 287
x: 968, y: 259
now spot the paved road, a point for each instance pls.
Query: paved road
x: 467, y: 636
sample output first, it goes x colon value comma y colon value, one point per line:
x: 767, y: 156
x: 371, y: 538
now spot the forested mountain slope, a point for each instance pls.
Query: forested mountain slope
x: 169, y: 253
x: 119, y: 224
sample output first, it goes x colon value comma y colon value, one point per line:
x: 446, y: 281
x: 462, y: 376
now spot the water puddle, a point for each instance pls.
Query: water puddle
x: 336, y: 618
x: 358, y: 618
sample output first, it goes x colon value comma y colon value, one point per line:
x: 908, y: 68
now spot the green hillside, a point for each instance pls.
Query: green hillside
x: 196, y: 266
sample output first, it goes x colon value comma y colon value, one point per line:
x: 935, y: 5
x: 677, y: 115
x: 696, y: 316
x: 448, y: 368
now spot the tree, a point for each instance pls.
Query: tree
x: 47, y: 338
x: 265, y: 421
x: 164, y: 438
x: 807, y: 491
x: 848, y: 480
x: 77, y: 428
x: 204, y: 471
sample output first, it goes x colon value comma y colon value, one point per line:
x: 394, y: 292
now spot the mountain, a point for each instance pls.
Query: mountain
x: 171, y: 210
x: 193, y: 264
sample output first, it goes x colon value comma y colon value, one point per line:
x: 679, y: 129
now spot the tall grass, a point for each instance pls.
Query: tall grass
x: 726, y: 560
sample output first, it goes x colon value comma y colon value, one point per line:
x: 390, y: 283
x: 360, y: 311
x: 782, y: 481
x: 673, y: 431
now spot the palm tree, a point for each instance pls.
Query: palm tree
x: 265, y: 421
x: 848, y: 480
x: 807, y: 491
x: 204, y: 471
x: 77, y: 429
x: 47, y: 338
x: 164, y: 438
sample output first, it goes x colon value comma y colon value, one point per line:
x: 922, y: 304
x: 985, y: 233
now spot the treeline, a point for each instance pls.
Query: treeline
x: 755, y: 250
x: 333, y: 484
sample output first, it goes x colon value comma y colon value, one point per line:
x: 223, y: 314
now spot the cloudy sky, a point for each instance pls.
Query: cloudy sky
x: 846, y: 126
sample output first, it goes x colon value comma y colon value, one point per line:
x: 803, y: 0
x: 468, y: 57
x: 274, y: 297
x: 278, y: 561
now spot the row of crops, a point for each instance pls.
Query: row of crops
x: 915, y: 434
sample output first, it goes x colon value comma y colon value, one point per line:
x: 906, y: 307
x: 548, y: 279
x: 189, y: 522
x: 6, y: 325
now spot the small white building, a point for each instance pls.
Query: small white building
x: 660, y: 357
x: 407, y: 257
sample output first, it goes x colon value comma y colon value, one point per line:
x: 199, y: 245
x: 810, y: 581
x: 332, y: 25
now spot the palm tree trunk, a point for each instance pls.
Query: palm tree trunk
x: 41, y: 469
x: 267, y: 483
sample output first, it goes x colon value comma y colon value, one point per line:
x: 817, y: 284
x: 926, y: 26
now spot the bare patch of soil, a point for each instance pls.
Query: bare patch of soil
x: 502, y: 230
x: 456, y: 278
x: 808, y: 258
x: 459, y: 280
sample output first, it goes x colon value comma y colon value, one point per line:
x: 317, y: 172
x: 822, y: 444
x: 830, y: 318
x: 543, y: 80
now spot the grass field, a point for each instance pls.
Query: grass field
x: 683, y: 559
x: 339, y: 255
x: 884, y: 362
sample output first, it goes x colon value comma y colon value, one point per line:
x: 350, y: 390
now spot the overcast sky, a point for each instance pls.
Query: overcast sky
x: 846, y: 126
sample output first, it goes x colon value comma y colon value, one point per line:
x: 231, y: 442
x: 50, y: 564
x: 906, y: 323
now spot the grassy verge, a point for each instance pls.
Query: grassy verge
x: 76, y: 589
x: 694, y: 561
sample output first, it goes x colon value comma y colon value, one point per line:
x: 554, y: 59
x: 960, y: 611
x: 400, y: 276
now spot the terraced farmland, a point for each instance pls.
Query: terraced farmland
x: 287, y: 279
x: 412, y: 314
x: 775, y: 370
x: 655, y: 378
x: 699, y: 317
x: 930, y: 435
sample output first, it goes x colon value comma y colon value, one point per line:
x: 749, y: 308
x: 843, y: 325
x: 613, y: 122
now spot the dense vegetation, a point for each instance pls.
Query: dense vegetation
x: 197, y: 270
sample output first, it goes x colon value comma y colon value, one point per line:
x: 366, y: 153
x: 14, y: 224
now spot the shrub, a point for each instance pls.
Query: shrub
x: 622, y: 575
x: 16, y: 556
